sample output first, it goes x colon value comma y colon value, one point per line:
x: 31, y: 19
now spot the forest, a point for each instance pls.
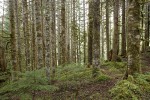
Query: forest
x: 74, y: 49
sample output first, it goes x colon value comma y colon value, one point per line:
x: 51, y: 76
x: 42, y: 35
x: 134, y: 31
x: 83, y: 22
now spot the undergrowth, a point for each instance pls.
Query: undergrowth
x: 134, y: 88
x: 71, y: 76
x: 28, y: 82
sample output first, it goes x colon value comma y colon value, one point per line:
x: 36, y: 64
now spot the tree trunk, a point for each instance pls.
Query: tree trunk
x: 90, y: 35
x: 39, y: 33
x: 116, y: 31
x: 26, y: 34
x: 96, y: 36
x: 13, y: 39
x: 53, y: 24
x: 63, y: 34
x: 133, y: 30
x: 123, y: 45
x: 107, y: 27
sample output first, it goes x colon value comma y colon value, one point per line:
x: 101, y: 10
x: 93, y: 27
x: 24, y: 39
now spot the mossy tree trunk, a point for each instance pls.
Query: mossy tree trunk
x: 39, y: 33
x: 90, y: 35
x: 63, y: 34
x: 107, y: 28
x: 53, y: 24
x: 123, y: 44
x: 96, y: 36
x: 116, y: 31
x: 133, y: 31
x: 26, y: 33
x: 13, y: 38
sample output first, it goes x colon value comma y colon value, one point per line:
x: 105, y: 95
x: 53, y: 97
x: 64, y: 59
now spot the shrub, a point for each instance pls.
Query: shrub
x: 125, y: 90
x: 29, y: 82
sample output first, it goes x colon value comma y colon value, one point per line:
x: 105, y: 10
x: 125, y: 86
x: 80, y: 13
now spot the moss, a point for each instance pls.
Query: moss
x: 102, y: 77
x: 125, y: 90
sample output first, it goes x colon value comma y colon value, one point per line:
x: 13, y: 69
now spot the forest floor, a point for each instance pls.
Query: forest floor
x: 97, y: 90
x: 75, y: 82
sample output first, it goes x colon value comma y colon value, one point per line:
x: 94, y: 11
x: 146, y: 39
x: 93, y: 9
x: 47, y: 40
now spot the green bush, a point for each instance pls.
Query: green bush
x: 73, y: 72
x: 125, y: 90
x: 102, y: 77
x: 28, y: 82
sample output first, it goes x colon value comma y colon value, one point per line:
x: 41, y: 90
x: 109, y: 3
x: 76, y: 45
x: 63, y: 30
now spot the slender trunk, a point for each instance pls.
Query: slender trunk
x: 13, y: 38
x: 84, y: 32
x: 133, y: 30
x: 96, y: 37
x: 63, y: 34
x: 123, y: 46
x: 39, y: 33
x: 107, y: 27
x: 18, y: 35
x: 33, y: 37
x: 54, y: 60
x: 90, y: 35
x: 116, y: 31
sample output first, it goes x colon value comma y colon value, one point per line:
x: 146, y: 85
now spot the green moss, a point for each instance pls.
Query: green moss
x: 102, y: 77
x: 125, y: 90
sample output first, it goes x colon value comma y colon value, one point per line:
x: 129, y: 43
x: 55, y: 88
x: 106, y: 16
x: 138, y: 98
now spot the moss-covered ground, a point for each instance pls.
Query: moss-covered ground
x: 75, y: 82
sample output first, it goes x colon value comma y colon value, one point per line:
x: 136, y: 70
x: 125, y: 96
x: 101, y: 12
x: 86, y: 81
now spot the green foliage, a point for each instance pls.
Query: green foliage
x: 134, y: 88
x: 96, y: 96
x: 102, y: 77
x: 125, y: 90
x: 28, y: 82
x: 116, y: 66
x: 73, y: 72
x: 143, y: 81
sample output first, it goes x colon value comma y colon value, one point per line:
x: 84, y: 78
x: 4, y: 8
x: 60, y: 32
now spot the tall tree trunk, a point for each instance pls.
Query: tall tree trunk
x: 90, y: 35
x: 34, y: 56
x: 147, y: 32
x: 43, y: 3
x: 116, y: 31
x: 18, y: 35
x: 74, y: 34
x: 47, y: 38
x: 63, y: 34
x: 84, y: 32
x: 96, y: 36
x: 26, y: 34
x: 54, y: 60
x: 107, y: 27
x: 133, y: 30
x: 123, y: 45
x: 13, y: 38
x: 39, y: 33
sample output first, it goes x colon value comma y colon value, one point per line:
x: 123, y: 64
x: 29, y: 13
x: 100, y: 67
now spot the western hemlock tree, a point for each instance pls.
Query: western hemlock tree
x: 133, y: 31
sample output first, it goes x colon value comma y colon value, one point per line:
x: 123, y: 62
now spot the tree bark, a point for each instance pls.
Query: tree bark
x: 39, y: 33
x: 133, y: 30
x: 116, y: 31
x: 96, y: 36
x: 123, y: 46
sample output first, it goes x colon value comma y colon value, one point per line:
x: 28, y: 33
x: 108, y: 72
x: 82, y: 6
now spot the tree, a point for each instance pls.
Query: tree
x: 63, y: 35
x: 90, y: 34
x: 133, y: 31
x: 13, y: 38
x: 47, y: 38
x: 96, y: 36
x: 123, y: 45
x: 26, y: 33
x: 107, y: 27
x: 74, y: 33
x: 53, y: 24
x: 34, y: 56
x: 147, y: 23
x: 39, y: 33
x: 116, y: 31
x: 84, y: 31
